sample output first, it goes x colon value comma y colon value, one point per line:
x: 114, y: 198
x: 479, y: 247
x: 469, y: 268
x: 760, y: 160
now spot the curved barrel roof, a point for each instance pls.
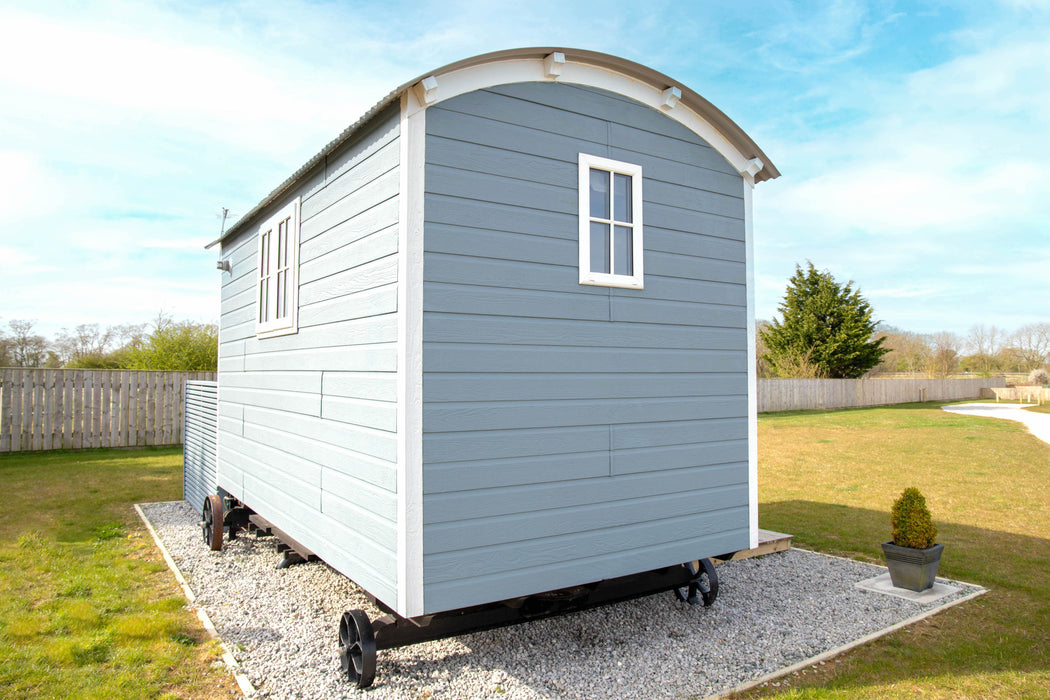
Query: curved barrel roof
x: 758, y: 164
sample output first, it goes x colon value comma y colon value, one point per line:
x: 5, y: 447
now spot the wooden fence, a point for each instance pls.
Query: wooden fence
x: 51, y: 409
x: 797, y: 394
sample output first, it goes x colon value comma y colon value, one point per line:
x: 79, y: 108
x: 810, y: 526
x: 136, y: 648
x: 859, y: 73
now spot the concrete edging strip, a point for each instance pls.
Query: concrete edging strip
x: 227, y: 656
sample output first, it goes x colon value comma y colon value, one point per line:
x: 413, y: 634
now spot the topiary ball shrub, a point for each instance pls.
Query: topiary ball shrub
x: 910, y: 518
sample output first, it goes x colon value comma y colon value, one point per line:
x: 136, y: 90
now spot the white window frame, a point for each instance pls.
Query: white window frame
x: 270, y: 266
x: 604, y: 279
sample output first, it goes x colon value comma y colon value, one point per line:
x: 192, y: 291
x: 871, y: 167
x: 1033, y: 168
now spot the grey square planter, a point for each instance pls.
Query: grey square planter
x: 912, y: 569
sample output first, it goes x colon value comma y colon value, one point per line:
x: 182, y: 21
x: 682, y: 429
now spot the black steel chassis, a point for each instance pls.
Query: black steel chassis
x: 360, y: 638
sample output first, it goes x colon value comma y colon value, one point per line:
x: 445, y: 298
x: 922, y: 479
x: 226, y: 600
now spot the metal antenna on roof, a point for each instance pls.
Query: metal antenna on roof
x: 222, y: 228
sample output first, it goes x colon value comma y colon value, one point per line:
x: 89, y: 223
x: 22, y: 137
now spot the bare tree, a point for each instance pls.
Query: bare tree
x: 983, y: 343
x: 1032, y: 343
x: 27, y: 349
x: 6, y: 359
x: 944, y: 353
x: 909, y: 352
x: 85, y: 340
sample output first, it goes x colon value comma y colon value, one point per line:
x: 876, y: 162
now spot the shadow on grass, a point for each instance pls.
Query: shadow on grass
x: 1004, y: 631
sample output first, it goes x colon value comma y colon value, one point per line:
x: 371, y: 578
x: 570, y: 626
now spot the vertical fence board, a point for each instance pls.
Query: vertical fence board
x: 17, y: 412
x: 38, y: 408
x: 125, y: 380
x: 179, y: 404
x: 6, y: 389
x: 154, y: 405
x: 104, y: 407
x: 49, y: 410
x: 114, y: 409
x: 140, y: 409
x: 78, y: 410
x: 169, y: 408
x: 67, y: 409
x: 96, y: 396
x: 133, y: 407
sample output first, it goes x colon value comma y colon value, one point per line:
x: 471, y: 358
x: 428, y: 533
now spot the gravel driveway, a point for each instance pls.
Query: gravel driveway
x: 772, y: 612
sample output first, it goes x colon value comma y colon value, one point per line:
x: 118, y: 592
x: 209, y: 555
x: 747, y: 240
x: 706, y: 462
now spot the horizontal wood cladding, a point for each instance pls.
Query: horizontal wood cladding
x: 575, y: 432
x: 307, y: 431
x: 536, y: 525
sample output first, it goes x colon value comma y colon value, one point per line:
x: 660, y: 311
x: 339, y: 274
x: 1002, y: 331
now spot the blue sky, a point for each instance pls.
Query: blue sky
x: 913, y: 138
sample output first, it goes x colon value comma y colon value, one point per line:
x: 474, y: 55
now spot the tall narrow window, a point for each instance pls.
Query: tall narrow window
x: 277, y: 292
x: 611, y: 249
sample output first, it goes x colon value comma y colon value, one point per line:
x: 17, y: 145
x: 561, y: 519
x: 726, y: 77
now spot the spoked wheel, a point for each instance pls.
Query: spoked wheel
x: 704, y: 586
x: 211, y: 522
x: 357, y: 648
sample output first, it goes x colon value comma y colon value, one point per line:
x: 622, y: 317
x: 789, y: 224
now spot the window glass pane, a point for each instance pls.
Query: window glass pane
x: 599, y: 194
x: 623, y: 244
x: 282, y: 286
x: 622, y: 198
x: 264, y: 299
x: 600, y: 261
x: 282, y: 237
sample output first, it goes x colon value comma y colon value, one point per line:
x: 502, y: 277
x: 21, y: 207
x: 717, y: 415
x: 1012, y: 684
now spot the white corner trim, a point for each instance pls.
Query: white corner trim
x: 426, y: 90
x: 529, y: 70
x: 671, y: 96
x: 754, y: 166
x: 412, y: 140
x: 552, y: 65
x: 752, y: 371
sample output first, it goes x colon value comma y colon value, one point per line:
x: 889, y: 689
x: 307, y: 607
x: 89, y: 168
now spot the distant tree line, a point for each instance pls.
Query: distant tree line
x: 164, y: 344
x: 984, y: 351
x: 827, y: 330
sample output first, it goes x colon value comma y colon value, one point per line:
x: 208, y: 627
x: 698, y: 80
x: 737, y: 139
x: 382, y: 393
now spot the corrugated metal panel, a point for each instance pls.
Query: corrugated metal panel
x: 198, y: 447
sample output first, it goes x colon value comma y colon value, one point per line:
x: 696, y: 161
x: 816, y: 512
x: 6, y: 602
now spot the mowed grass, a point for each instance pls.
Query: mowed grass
x: 830, y: 478
x: 88, y: 608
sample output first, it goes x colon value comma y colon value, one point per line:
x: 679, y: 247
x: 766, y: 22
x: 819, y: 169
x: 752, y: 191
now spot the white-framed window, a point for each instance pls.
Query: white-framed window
x: 277, y: 286
x: 611, y: 248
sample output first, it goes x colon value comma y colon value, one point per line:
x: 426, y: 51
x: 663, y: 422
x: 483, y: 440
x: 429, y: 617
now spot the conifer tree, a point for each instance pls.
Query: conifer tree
x: 827, y: 329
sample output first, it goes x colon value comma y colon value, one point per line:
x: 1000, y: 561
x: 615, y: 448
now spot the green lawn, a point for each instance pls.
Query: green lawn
x: 88, y: 608
x: 830, y: 478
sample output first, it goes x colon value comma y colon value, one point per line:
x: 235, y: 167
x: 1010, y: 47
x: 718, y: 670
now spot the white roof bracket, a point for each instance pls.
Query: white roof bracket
x: 553, y: 64
x: 670, y: 97
x: 426, y: 90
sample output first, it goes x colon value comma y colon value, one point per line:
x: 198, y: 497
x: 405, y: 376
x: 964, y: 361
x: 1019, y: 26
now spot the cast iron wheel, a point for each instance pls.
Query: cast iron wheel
x: 357, y: 648
x: 704, y: 584
x: 211, y: 522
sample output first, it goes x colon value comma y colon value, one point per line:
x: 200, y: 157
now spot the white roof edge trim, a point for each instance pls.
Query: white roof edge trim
x: 580, y: 67
x: 487, y: 75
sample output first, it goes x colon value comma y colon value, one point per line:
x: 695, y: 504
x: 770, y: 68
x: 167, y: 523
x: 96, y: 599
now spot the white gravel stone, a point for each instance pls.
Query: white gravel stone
x: 771, y: 612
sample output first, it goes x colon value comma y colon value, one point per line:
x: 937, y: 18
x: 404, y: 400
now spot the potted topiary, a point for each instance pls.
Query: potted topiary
x: 912, y: 557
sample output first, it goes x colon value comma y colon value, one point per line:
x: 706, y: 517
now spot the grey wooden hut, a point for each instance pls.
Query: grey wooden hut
x: 495, y: 339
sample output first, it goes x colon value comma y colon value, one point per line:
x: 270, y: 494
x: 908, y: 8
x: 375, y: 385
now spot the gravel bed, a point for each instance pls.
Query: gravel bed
x: 771, y: 612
